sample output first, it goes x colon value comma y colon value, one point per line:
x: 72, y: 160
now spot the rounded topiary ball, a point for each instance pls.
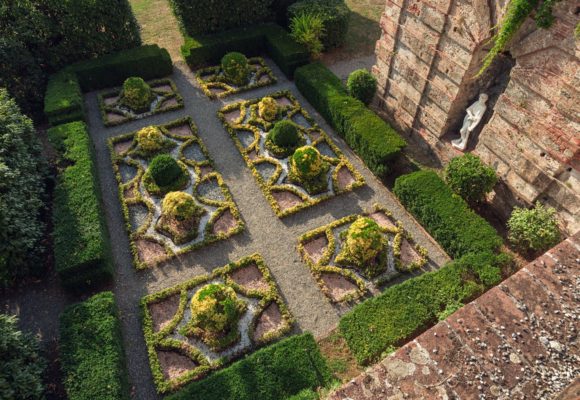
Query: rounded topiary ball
x: 364, y: 240
x: 150, y: 139
x: 284, y: 134
x: 236, y: 68
x: 215, y: 308
x: 179, y: 205
x: 469, y: 177
x: 136, y: 94
x: 164, y: 170
x: 306, y: 162
x: 268, y: 108
x: 362, y: 85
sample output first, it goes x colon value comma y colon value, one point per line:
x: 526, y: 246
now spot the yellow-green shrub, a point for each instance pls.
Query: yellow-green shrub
x: 268, y: 108
x: 215, y: 308
x: 307, y: 162
x: 150, y: 139
x: 136, y: 94
x: 179, y: 205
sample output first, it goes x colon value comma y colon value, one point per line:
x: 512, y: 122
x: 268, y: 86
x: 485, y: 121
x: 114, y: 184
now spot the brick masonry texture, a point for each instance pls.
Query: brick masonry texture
x: 427, y: 57
x: 517, y: 341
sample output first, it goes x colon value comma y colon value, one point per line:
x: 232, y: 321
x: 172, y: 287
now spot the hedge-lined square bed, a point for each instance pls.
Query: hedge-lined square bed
x: 156, y: 232
x: 165, y: 98
x: 286, y: 195
x: 182, y: 344
x: 215, y: 85
x: 328, y: 251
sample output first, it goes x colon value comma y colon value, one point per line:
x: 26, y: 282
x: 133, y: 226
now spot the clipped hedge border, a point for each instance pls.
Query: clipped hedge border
x: 91, y: 349
x: 161, y: 340
x: 268, y: 187
x: 81, y: 245
x: 445, y: 215
x: 276, y: 372
x: 63, y: 101
x: 270, y: 38
x: 375, y: 141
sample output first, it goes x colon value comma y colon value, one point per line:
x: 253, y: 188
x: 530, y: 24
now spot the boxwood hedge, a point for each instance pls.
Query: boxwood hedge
x: 272, y: 373
x: 404, y: 310
x: 63, y: 101
x: 445, y: 215
x: 80, y: 238
x: 374, y: 140
x: 91, y: 349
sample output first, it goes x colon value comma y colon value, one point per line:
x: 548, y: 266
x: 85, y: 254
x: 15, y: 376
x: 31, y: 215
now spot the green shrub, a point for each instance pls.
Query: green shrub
x: 284, y: 134
x: 63, y: 101
x: 446, y: 216
x: 361, y: 85
x: 470, y: 178
x: 164, y: 170
x: 268, y: 108
x: 180, y: 205
x: 403, y: 310
x: 375, y: 141
x: 91, y: 349
x: 307, y: 162
x: 136, y: 94
x: 21, y: 193
x: 150, y: 139
x: 534, y: 229
x: 21, y: 366
x: 272, y: 373
x: 80, y: 235
x: 334, y: 14
x: 306, y: 394
x: 236, y: 69
x: 307, y: 29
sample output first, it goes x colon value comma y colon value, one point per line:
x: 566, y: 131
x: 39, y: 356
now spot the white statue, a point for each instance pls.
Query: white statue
x: 474, y: 115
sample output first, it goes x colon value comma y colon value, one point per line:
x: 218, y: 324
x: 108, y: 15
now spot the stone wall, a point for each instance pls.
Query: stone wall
x: 427, y: 58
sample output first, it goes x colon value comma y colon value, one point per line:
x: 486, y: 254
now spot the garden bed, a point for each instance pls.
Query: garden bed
x: 177, y: 356
x: 166, y: 98
x: 345, y: 284
x: 249, y: 131
x: 215, y: 85
x: 155, y: 238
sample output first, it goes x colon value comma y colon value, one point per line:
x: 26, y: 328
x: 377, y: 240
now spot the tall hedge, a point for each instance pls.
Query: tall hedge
x: 335, y: 16
x: 39, y: 37
x: 21, y: 193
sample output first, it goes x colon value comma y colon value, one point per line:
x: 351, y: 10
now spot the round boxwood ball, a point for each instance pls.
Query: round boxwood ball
x: 236, y: 68
x: 164, y: 170
x: 268, y: 108
x: 364, y: 240
x: 284, y: 134
x: 306, y: 162
x: 216, y: 308
x: 179, y: 205
x: 136, y: 94
x: 150, y: 139
x: 470, y: 178
x: 362, y: 85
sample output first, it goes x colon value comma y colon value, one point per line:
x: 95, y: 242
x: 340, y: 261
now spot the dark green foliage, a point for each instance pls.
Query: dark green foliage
x: 284, y: 134
x: 375, y: 141
x: 306, y: 394
x: 534, y: 229
x: 63, y: 101
x: 80, y: 234
x: 335, y: 16
x: 272, y: 373
x: 270, y: 38
x: 21, y: 193
x: 404, y: 310
x: 21, y: 367
x: 446, y: 216
x: 469, y: 177
x: 91, y: 348
x: 235, y: 68
x: 362, y: 85
x: 136, y: 94
x: 164, y: 170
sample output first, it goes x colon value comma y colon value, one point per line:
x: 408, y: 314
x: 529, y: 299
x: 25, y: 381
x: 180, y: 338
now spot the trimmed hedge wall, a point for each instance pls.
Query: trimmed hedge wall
x: 374, y: 140
x: 91, y: 350
x: 63, y: 101
x: 80, y: 235
x: 270, y: 38
x: 272, y: 373
x: 445, y: 215
x: 402, y: 311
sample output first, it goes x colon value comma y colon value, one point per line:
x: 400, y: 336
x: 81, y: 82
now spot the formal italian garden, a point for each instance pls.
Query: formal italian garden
x: 210, y: 221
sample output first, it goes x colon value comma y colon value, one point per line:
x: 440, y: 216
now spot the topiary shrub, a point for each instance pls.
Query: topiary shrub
x: 469, y: 177
x: 164, y: 170
x: 362, y: 85
x: 534, y: 229
x: 283, y: 139
x: 307, y: 162
x: 180, y: 205
x: 215, y: 312
x: 268, y: 108
x: 236, y: 69
x: 21, y: 367
x: 334, y: 14
x: 150, y: 139
x: 137, y: 95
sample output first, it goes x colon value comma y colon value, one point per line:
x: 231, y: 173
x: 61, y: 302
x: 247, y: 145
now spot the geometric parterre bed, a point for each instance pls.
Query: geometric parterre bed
x: 203, y: 324
x: 215, y: 85
x: 280, y: 170
x: 355, y: 256
x: 173, y: 199
x: 163, y: 97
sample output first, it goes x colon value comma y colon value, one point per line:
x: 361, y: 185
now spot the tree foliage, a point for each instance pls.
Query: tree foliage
x: 470, y: 178
x: 534, y: 229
